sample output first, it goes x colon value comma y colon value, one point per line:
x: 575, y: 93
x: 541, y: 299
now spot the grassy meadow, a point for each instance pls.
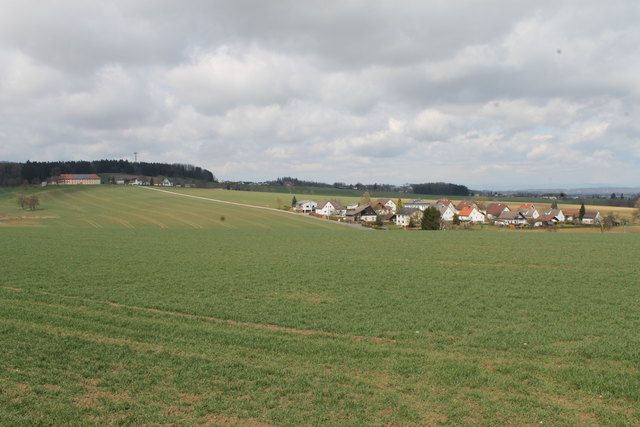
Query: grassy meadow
x: 123, y: 305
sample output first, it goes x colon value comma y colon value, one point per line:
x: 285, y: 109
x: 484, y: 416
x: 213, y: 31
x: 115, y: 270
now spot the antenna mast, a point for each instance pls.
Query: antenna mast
x: 135, y: 157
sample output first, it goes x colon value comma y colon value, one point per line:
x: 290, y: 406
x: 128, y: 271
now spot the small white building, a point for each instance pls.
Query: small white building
x: 305, y: 206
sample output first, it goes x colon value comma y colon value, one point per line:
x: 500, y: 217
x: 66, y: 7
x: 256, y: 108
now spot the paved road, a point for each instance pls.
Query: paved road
x: 348, y: 224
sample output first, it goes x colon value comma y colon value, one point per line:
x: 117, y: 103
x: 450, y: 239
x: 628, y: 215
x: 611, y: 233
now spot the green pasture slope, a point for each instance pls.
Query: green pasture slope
x: 123, y: 305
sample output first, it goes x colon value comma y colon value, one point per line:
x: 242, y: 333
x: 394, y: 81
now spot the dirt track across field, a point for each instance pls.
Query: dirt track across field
x: 352, y: 225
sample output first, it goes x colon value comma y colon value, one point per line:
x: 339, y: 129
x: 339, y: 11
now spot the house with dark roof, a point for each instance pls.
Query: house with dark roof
x: 363, y: 213
x: 511, y: 218
x: 592, y: 217
x: 405, y: 215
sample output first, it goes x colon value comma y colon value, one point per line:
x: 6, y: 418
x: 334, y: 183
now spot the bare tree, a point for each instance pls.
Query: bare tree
x: 33, y: 202
x: 21, y: 199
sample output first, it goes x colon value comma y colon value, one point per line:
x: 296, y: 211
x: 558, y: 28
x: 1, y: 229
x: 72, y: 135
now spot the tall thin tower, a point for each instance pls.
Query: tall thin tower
x: 135, y: 157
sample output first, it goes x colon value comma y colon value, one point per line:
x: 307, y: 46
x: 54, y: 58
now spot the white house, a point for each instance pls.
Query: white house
x: 556, y: 213
x: 328, y: 207
x: 417, y: 204
x: 404, y: 215
x: 471, y: 214
x: 510, y: 218
x: 305, y: 206
x: 364, y: 213
x: 166, y: 183
x: 529, y: 211
x: 592, y: 217
x: 447, y: 212
x: 390, y: 204
x: 136, y: 181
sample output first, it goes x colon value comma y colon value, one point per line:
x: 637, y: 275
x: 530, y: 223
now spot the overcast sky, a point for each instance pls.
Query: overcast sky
x: 490, y: 94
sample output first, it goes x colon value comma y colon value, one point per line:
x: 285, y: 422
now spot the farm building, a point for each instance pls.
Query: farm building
x: 78, y: 178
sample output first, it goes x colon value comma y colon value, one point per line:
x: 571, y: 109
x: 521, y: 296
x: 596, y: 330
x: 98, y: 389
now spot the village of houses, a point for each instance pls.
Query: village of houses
x: 465, y: 212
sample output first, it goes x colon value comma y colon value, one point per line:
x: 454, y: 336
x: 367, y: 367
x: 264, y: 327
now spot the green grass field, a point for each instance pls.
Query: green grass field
x: 123, y: 305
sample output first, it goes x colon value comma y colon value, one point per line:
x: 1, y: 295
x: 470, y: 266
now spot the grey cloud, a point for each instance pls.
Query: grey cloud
x: 434, y: 90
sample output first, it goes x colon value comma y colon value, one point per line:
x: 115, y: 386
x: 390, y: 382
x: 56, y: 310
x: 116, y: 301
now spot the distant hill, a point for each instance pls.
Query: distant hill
x: 12, y: 174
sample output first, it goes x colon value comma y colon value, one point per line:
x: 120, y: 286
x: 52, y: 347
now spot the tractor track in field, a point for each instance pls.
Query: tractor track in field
x: 263, y: 326
x: 356, y: 226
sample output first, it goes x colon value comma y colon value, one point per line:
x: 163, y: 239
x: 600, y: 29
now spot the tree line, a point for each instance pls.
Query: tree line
x: 441, y: 189
x: 13, y: 174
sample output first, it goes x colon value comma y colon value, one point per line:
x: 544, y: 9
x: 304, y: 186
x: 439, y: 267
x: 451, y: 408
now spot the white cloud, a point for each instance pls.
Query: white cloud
x: 332, y: 91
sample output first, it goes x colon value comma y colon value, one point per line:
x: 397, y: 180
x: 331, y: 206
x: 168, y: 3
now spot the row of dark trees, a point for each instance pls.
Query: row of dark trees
x: 13, y: 174
x: 435, y: 188
x: 441, y: 189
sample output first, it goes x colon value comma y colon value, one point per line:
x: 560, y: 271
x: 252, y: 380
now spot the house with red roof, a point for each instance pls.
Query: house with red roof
x: 495, y: 209
x: 471, y: 214
x: 466, y: 203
